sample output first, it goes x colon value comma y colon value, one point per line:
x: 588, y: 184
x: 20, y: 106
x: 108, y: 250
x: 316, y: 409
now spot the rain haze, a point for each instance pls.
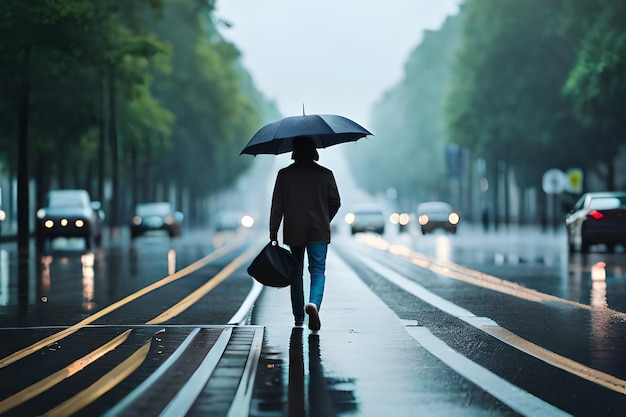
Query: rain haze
x: 330, y: 56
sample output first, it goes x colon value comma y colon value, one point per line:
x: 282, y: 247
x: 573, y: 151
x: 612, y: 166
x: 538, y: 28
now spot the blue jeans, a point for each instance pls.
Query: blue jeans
x: 317, y: 266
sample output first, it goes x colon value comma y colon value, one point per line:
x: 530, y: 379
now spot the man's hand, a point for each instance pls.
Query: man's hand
x: 274, y: 236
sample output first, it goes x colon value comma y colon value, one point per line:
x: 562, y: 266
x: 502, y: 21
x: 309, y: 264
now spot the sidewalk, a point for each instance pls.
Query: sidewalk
x: 362, y: 362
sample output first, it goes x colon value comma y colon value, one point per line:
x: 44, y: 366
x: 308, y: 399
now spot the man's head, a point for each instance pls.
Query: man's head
x: 304, y: 149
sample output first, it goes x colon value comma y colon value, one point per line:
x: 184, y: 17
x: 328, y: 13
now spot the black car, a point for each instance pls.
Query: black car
x: 433, y: 215
x: 156, y: 217
x: 597, y: 218
x: 70, y: 214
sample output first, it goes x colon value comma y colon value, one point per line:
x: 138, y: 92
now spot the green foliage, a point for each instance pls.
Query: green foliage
x: 538, y: 84
x: 214, y: 119
x: 506, y: 102
x: 153, y: 77
x: 597, y: 82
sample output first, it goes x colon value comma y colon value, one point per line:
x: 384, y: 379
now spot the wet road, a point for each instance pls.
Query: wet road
x: 68, y: 283
x: 515, y: 305
x: 531, y: 258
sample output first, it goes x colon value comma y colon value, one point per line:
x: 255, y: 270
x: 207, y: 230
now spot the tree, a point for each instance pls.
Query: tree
x: 597, y: 82
x: 506, y: 102
x: 91, y: 91
x: 213, y: 118
x: 39, y: 40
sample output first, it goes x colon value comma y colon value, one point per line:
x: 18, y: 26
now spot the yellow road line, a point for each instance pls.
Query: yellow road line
x: 52, y: 380
x: 576, y: 368
x: 20, y: 354
x: 195, y: 296
x: 492, y: 328
x: 103, y: 385
x: 480, y: 279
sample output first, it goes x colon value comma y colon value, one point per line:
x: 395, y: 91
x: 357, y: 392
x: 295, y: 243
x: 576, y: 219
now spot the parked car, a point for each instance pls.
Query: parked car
x: 156, y: 217
x: 597, y: 218
x: 433, y: 215
x: 366, y: 219
x: 70, y: 214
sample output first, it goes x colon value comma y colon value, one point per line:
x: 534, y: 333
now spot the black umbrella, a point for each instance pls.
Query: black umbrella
x: 325, y: 129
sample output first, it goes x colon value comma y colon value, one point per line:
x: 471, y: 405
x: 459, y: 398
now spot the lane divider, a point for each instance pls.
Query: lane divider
x: 20, y: 354
x: 55, y: 378
x: 240, y: 405
x: 490, y: 327
x: 241, y: 316
x: 186, y: 396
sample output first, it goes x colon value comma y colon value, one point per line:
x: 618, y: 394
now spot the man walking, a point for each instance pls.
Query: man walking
x: 306, y: 198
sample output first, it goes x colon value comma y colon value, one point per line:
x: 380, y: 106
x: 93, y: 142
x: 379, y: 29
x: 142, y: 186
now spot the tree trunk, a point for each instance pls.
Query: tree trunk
x: 610, y: 175
x: 114, y: 151
x: 102, y: 140
x: 23, y: 204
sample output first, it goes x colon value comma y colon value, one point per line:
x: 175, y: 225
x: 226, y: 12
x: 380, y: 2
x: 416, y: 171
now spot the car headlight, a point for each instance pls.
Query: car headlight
x: 423, y: 219
x: 350, y: 218
x: 3, y: 215
x: 401, y: 219
x: 79, y: 223
x: 453, y: 218
x: 247, y: 221
x: 41, y: 213
x: 137, y: 220
x: 48, y: 224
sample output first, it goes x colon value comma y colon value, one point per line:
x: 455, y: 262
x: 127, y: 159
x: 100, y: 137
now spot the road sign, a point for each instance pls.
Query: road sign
x: 574, y: 180
x: 554, y: 181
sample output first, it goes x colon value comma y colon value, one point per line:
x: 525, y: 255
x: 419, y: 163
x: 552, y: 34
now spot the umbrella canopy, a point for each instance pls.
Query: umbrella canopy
x: 325, y: 129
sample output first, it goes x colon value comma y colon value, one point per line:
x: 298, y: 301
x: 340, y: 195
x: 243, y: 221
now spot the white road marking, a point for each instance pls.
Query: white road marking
x: 492, y: 328
x: 511, y: 395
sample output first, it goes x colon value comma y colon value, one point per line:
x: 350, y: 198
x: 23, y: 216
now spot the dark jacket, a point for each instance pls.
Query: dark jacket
x: 306, y: 197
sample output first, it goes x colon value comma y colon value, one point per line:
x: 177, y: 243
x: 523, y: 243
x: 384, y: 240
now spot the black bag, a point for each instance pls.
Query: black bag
x: 273, y: 266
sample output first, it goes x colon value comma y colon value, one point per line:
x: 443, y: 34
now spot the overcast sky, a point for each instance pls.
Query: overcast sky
x: 333, y: 56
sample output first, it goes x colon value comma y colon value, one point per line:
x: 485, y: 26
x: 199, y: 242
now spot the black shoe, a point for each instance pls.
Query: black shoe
x: 314, y: 317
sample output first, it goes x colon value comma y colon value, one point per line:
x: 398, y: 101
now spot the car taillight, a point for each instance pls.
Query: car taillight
x: 596, y: 214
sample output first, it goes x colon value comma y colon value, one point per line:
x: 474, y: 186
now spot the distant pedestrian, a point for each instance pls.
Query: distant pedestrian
x: 485, y: 219
x: 305, y: 199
